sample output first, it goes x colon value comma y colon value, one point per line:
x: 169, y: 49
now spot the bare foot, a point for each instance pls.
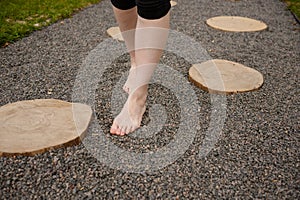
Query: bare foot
x: 131, y: 115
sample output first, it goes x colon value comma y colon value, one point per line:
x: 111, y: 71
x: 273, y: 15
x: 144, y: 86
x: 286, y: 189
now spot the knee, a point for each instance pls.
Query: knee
x: 153, y: 9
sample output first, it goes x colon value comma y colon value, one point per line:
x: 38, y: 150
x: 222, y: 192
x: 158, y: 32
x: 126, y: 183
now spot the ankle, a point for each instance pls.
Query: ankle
x: 140, y: 95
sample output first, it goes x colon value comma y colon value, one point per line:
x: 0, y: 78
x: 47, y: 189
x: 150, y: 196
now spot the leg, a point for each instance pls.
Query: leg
x: 150, y: 37
x: 127, y: 20
x: 147, y: 56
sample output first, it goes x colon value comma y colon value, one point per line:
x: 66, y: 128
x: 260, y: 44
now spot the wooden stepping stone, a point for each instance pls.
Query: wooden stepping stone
x: 222, y: 76
x: 173, y: 3
x: 236, y: 24
x: 35, y: 126
x: 115, y: 33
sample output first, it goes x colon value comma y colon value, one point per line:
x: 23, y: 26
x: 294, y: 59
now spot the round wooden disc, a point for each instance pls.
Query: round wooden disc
x: 34, y: 126
x: 222, y: 76
x: 115, y: 33
x: 173, y: 3
x: 236, y: 24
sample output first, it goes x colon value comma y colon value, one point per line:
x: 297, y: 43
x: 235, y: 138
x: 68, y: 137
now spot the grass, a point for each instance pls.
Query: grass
x: 19, y: 18
x: 294, y: 6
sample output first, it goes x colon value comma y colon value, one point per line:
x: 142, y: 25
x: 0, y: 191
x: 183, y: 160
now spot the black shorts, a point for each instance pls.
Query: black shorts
x: 148, y: 9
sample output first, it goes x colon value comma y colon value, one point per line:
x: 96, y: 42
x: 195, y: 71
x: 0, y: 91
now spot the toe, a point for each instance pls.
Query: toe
x: 118, y: 132
x: 130, y: 130
x: 124, y: 131
x: 114, y: 128
x: 122, y: 134
x: 126, y: 89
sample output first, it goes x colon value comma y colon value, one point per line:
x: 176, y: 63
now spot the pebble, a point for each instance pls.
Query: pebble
x: 250, y: 158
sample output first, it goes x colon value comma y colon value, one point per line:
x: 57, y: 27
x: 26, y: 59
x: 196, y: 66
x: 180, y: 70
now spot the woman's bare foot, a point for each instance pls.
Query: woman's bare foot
x: 131, y: 115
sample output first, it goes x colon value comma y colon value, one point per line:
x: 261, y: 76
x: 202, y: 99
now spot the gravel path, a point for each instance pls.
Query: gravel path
x: 256, y: 156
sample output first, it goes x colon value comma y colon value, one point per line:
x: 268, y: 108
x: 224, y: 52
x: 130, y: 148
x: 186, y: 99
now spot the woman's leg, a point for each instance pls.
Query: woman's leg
x: 145, y: 45
x: 127, y: 20
x: 150, y: 39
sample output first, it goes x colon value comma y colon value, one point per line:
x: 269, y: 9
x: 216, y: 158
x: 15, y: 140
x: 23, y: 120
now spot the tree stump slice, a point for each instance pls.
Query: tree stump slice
x: 222, y: 76
x: 173, y: 3
x: 35, y: 126
x: 115, y: 33
x: 236, y: 24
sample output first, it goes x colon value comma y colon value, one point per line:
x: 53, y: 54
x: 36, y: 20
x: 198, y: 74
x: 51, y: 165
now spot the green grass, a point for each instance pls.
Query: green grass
x: 294, y: 6
x: 19, y: 18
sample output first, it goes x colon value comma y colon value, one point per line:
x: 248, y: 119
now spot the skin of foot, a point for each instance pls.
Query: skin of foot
x: 126, y: 86
x: 131, y: 114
